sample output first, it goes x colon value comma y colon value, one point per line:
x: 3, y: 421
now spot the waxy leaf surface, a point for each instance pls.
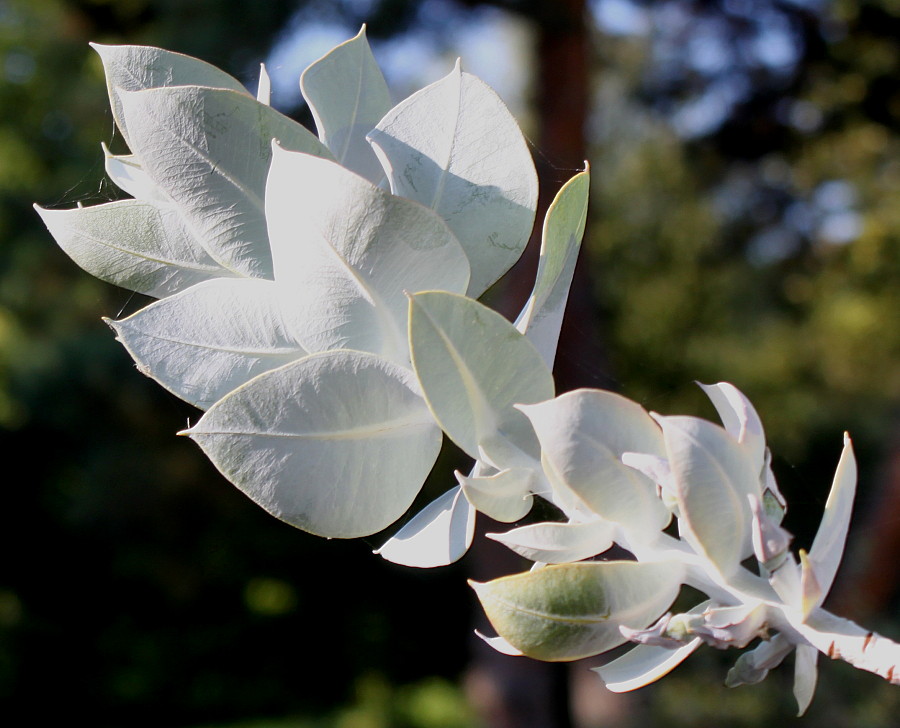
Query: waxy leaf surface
x: 473, y: 367
x: 346, y: 253
x: 209, y: 150
x: 438, y: 535
x: 135, y: 68
x: 504, y: 496
x: 454, y: 147
x: 564, y: 224
x: 140, y: 246
x: 571, y: 611
x: 713, y: 475
x: 828, y: 546
x: 348, y: 96
x: 210, y: 339
x: 559, y: 543
x: 583, y: 435
x: 642, y: 665
x: 337, y: 444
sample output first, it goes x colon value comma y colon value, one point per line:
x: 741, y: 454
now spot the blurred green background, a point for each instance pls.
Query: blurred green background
x: 746, y: 161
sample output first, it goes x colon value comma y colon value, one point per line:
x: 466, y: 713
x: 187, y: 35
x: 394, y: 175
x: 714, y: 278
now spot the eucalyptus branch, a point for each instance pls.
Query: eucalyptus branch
x: 317, y: 300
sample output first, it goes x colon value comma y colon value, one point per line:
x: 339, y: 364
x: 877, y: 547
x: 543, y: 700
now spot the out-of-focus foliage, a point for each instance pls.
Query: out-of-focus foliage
x: 762, y: 240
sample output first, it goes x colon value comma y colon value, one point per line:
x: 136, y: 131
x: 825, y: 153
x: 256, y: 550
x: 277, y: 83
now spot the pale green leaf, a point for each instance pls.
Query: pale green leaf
x: 346, y: 253
x: 828, y: 546
x: 712, y: 475
x: 564, y: 224
x: 206, y: 341
x: 135, y: 68
x: 454, y: 147
x: 137, y: 245
x: 571, y: 611
x: 209, y: 150
x: 583, y: 435
x: 474, y: 367
x: 559, y: 543
x: 337, y: 444
x: 348, y: 96
x: 438, y: 535
x: 504, y: 496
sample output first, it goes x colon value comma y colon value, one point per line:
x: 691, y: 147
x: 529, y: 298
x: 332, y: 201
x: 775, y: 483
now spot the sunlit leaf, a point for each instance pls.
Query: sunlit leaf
x: 739, y: 418
x: 127, y: 174
x: 137, y: 245
x: 454, y: 147
x: 504, y: 496
x: 558, y: 543
x: 338, y: 443
x: 712, y: 475
x: 642, y: 665
x: 209, y: 150
x: 805, y: 676
x: 583, y: 435
x: 542, y: 316
x: 135, y: 68
x: 828, y: 546
x: 346, y: 253
x: 473, y: 367
x: 264, y: 87
x: 438, y: 535
x: 348, y: 96
x: 571, y: 611
x: 206, y: 341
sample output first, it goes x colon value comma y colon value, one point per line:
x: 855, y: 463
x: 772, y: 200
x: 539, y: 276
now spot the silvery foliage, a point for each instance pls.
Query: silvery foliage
x: 317, y: 298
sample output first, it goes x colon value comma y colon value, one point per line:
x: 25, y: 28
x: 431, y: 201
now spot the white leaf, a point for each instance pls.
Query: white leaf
x: 346, y: 252
x: 805, y: 676
x: 713, y: 475
x: 504, y: 496
x: 570, y: 611
x: 828, y: 546
x: 264, y: 88
x: 564, y: 224
x: 739, y: 418
x: 348, y: 96
x: 137, y: 245
x: 583, y: 435
x: 127, y: 174
x: 454, y: 147
x: 135, y: 68
x: 209, y: 150
x: 643, y: 665
x: 500, y: 644
x: 558, y: 543
x: 337, y: 443
x: 438, y: 535
x: 474, y: 367
x: 753, y: 665
x: 206, y: 341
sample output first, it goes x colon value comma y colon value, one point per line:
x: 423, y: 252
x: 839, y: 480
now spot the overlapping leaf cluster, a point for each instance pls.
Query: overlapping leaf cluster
x: 317, y: 297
